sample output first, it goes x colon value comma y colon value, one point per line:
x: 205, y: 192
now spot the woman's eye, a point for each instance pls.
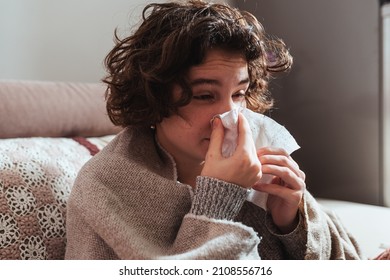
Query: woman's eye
x: 239, y: 95
x: 202, y: 97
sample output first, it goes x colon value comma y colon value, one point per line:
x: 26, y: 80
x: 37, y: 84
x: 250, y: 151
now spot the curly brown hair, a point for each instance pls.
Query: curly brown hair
x: 173, y: 37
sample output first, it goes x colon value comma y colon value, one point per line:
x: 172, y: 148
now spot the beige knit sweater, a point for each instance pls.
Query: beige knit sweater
x: 127, y: 204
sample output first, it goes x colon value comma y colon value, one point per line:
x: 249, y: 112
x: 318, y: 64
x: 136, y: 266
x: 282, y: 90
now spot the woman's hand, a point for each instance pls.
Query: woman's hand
x: 243, y: 168
x: 286, y: 188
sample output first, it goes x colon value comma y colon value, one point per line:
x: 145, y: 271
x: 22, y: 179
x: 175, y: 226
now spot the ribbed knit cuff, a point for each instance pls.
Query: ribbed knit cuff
x: 295, y: 241
x: 217, y: 199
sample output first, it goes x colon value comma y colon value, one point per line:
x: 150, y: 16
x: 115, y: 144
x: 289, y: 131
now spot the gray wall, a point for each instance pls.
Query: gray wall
x: 386, y: 101
x: 330, y: 100
x: 61, y: 40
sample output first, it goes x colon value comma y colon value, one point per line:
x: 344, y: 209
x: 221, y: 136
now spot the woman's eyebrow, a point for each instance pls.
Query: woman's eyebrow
x: 202, y: 81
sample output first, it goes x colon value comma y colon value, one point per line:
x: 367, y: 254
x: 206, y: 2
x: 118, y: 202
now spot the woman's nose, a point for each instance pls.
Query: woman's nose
x: 227, y: 106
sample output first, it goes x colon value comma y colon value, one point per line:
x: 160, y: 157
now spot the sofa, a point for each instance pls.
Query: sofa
x: 369, y: 224
x: 48, y: 130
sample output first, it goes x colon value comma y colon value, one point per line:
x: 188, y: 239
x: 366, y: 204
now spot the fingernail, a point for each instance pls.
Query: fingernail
x: 215, y: 122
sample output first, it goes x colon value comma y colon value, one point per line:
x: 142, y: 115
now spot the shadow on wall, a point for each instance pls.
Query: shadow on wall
x: 330, y: 99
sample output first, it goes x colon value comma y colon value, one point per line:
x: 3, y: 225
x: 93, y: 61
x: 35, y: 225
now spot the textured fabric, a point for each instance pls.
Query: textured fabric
x: 53, y: 109
x: 36, y: 176
x: 126, y: 203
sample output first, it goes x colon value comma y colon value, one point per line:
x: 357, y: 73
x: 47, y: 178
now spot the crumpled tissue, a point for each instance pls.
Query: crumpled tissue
x: 265, y: 132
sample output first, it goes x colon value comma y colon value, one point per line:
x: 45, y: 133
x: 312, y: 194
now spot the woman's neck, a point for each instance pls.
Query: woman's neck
x: 187, y: 173
x: 187, y: 170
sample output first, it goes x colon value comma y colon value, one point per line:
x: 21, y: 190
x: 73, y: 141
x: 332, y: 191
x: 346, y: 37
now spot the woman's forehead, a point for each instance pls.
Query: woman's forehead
x: 218, y: 63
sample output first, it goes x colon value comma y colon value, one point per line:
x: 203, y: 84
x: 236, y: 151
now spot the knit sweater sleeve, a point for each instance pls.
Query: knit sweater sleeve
x: 217, y: 199
x: 327, y: 237
x: 208, y: 230
x: 318, y: 235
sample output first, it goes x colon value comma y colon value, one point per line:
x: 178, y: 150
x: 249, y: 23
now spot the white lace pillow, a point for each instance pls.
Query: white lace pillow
x: 36, y: 176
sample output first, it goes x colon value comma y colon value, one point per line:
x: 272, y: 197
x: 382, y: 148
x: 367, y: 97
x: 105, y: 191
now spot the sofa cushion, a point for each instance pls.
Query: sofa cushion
x: 36, y: 176
x: 53, y: 109
x: 367, y: 223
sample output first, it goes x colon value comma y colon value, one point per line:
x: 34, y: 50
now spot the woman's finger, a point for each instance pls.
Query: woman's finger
x: 289, y: 177
x: 216, y: 139
x: 279, y: 191
x: 282, y: 160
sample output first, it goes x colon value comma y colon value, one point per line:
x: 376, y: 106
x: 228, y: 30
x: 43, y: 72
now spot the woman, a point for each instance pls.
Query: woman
x: 162, y: 189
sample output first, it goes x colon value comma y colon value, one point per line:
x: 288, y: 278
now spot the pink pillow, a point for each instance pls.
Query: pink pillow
x: 53, y: 109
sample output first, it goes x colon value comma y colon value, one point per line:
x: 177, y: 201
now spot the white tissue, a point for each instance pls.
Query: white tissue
x: 265, y: 132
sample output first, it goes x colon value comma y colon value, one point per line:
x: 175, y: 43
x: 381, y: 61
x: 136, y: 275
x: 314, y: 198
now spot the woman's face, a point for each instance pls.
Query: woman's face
x: 218, y: 85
